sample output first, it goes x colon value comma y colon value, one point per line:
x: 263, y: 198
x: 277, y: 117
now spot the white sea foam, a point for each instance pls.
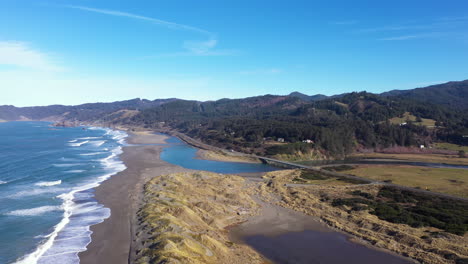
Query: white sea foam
x: 97, y: 143
x: 78, y: 143
x: 33, y: 192
x: 3, y: 182
x: 34, y: 211
x: 117, y: 135
x: 71, y: 141
x: 85, y: 138
x: 75, y: 171
x: 73, y: 234
x: 48, y: 183
x: 92, y: 153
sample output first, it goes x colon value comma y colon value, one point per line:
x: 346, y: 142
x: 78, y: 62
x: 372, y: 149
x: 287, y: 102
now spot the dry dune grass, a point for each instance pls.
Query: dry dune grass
x: 418, y: 243
x: 185, y: 217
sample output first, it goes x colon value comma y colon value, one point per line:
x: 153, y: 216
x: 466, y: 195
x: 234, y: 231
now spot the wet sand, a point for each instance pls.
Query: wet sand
x: 285, y: 236
x: 111, y: 239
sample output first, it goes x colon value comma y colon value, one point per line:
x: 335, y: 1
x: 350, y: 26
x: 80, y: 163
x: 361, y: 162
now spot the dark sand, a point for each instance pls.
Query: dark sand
x: 283, y: 235
x: 111, y: 239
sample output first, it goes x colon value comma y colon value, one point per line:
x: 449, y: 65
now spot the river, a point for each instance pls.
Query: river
x: 299, y: 243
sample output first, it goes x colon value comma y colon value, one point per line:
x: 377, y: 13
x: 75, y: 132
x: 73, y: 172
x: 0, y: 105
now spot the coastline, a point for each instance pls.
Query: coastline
x: 111, y: 240
x: 115, y: 240
x: 78, y: 209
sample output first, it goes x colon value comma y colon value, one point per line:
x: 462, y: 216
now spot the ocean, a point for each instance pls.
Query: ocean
x: 47, y: 180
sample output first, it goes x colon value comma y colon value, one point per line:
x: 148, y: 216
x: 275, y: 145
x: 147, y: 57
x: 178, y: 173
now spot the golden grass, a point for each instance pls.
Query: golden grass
x: 450, y: 146
x: 342, y: 104
x: 408, y: 116
x: 185, y: 216
x: 430, y: 158
x: 442, y: 180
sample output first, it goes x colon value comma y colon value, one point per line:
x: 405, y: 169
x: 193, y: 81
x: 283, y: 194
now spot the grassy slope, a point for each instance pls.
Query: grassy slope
x: 449, y: 146
x: 431, y: 158
x: 408, y: 116
x: 443, y: 180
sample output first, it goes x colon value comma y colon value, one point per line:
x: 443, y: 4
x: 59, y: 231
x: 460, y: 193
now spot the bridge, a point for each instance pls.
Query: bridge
x: 292, y: 165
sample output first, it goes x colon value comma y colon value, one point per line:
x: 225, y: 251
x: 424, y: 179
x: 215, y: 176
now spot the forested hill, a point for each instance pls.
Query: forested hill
x: 336, y: 126
x: 84, y: 112
x: 329, y: 125
x: 451, y: 94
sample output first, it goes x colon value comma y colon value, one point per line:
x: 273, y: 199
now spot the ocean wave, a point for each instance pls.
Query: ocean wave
x: 63, y: 165
x: 85, y: 138
x: 78, y: 144
x: 33, y: 192
x: 75, y: 171
x: 117, y: 135
x: 3, y: 182
x: 73, y: 234
x: 92, y: 153
x: 112, y: 162
x: 49, y: 183
x: 97, y: 143
x: 71, y: 141
x: 34, y: 211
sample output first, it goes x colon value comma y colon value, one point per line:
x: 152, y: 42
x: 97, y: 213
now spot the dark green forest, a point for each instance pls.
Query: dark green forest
x: 337, y: 126
x: 334, y: 125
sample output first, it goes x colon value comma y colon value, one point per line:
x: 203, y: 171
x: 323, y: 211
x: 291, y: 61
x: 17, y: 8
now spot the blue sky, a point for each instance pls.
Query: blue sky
x: 77, y: 51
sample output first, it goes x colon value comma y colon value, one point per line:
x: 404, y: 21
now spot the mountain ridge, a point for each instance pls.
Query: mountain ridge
x: 451, y: 94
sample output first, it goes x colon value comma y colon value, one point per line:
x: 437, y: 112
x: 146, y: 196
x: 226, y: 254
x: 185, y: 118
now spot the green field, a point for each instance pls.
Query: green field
x: 449, y: 146
x: 409, y: 117
x: 430, y: 158
x: 316, y: 178
x: 443, y: 180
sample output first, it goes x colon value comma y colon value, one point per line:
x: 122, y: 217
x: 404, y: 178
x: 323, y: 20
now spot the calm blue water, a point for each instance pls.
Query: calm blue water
x: 180, y: 153
x: 47, y: 176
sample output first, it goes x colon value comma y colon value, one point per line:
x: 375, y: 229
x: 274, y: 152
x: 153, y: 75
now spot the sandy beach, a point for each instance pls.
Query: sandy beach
x: 123, y: 193
x: 119, y: 237
x: 111, y: 239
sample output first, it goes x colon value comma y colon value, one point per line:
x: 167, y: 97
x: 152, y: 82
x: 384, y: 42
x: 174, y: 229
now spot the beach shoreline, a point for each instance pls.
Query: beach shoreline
x: 115, y: 240
x: 111, y: 240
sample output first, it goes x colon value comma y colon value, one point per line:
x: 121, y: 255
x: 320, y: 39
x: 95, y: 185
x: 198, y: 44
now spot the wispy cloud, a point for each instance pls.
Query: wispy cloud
x: 20, y: 54
x: 200, y: 47
x: 262, y: 71
x: 168, y: 24
x: 193, y: 48
x: 436, y: 27
x: 413, y: 36
x: 395, y: 28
